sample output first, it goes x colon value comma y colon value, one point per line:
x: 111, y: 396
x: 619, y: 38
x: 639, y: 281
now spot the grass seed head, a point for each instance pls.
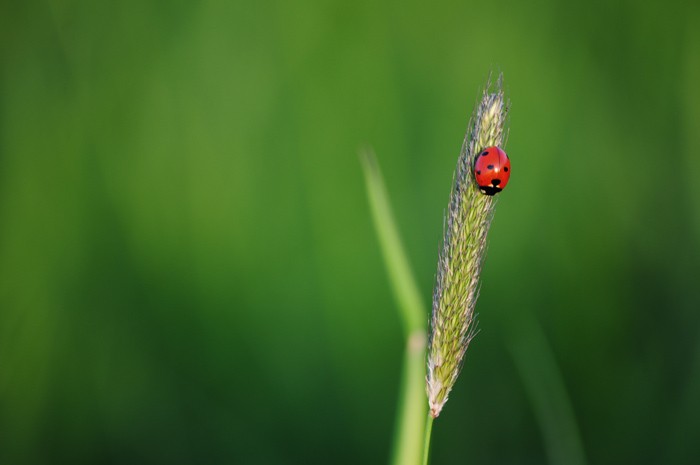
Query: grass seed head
x: 464, y: 246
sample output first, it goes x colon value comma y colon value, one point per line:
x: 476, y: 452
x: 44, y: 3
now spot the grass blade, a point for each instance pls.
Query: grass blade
x: 413, y: 407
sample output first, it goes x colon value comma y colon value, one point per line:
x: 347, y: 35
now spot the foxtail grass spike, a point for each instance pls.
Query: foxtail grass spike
x: 464, y: 246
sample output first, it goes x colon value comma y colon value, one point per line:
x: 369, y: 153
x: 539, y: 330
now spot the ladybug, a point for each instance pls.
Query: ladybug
x: 492, y: 170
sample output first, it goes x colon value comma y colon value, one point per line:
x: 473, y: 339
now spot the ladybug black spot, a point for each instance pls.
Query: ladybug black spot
x: 490, y: 167
x: 484, y: 153
x: 505, y: 168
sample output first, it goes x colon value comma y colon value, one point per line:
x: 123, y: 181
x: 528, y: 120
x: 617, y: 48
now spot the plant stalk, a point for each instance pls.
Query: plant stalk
x: 426, y: 442
x: 412, y: 407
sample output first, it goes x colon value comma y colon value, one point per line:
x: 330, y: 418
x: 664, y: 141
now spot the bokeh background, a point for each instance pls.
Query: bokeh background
x: 188, y: 268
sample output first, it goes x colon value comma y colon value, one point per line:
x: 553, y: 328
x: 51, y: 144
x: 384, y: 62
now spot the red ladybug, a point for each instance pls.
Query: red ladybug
x: 492, y: 170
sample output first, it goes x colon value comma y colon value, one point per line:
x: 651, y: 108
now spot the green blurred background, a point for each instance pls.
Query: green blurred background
x: 188, y: 268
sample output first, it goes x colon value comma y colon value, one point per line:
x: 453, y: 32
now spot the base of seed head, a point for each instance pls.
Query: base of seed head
x: 492, y: 170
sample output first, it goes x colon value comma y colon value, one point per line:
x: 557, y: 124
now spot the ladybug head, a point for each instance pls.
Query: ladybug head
x: 490, y: 190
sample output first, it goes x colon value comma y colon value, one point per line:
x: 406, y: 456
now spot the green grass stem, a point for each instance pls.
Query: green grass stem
x: 428, y: 433
x: 413, y: 407
x: 413, y: 313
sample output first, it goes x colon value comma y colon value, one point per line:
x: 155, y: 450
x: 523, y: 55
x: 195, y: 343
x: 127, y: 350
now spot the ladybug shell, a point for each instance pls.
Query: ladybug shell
x: 492, y: 170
